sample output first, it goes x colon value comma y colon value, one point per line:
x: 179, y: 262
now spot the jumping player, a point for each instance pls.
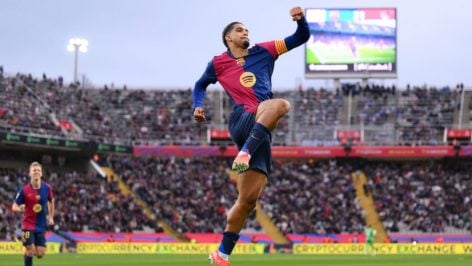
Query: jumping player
x: 245, y: 74
x: 36, y: 201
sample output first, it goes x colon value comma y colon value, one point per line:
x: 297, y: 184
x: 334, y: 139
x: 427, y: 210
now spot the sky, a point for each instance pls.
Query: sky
x: 167, y: 43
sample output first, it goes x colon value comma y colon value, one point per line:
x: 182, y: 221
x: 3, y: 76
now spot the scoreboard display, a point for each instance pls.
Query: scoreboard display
x: 351, y: 43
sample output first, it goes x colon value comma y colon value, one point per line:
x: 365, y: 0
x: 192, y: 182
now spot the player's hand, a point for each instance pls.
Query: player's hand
x: 22, y: 207
x: 297, y: 13
x: 199, y: 114
x: 51, y: 221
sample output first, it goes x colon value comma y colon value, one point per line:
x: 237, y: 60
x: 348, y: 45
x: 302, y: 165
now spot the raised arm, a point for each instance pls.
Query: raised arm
x: 302, y: 34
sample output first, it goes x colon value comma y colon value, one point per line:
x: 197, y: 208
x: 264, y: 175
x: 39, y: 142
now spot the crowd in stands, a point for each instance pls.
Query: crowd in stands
x: 78, y: 106
x: 301, y: 196
x: 424, y: 113
x: 312, y: 197
x: 20, y: 110
x: 414, y: 116
x: 317, y: 113
x: 127, y: 116
x: 375, y: 105
x: 422, y: 196
x: 192, y: 194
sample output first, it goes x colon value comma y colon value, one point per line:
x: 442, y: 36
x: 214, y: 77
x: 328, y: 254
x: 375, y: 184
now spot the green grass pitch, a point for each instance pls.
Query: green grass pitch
x: 345, y: 56
x: 242, y: 260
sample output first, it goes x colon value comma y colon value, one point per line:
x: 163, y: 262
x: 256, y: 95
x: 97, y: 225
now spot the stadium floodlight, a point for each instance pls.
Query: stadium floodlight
x: 75, y: 46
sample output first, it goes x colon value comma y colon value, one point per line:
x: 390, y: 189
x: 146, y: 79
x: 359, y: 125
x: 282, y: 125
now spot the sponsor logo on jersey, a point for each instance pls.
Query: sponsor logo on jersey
x: 37, y: 208
x: 247, y: 79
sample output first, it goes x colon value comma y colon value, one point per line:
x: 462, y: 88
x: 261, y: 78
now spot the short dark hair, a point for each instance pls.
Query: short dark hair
x: 227, y: 29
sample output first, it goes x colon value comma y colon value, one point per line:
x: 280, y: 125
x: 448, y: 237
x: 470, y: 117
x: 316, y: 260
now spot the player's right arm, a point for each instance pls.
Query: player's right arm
x: 199, y: 91
x: 19, y: 203
x: 18, y: 208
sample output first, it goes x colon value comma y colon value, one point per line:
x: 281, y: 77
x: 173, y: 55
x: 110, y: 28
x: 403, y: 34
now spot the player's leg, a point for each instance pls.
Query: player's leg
x: 40, y: 244
x: 250, y: 185
x: 40, y: 251
x: 29, y: 253
x: 267, y: 117
x: 27, y: 237
x: 369, y: 247
x: 372, y: 249
x: 271, y: 111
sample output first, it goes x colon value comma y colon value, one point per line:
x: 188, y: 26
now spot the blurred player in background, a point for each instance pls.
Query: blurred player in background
x: 245, y: 74
x: 36, y: 201
x: 369, y: 240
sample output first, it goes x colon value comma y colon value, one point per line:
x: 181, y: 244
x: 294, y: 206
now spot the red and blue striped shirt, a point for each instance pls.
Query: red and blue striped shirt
x: 248, y: 79
x: 36, y: 206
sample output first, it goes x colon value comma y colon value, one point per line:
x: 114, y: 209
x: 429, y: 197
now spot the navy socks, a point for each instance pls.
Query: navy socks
x: 259, y: 133
x: 228, y: 242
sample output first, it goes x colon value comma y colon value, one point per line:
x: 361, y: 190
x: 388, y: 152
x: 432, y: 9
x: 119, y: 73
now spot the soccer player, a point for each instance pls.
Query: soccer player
x: 36, y: 201
x: 369, y: 240
x: 245, y: 74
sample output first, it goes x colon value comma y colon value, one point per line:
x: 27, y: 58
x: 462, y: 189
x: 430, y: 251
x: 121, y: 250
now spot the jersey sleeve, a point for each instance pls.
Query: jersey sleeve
x: 20, y: 197
x: 278, y: 47
x: 208, y: 77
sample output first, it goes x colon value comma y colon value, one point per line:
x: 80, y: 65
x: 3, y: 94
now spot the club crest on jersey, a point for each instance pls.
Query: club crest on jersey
x: 37, y: 208
x: 247, y: 79
x: 240, y: 62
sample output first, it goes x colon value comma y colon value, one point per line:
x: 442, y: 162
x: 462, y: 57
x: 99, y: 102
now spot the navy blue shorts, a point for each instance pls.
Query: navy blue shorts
x: 240, y: 125
x: 29, y: 237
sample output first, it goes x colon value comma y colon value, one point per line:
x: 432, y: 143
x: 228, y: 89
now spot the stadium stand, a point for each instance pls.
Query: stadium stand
x: 304, y: 197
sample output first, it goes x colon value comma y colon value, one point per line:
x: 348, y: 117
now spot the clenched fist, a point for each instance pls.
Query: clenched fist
x: 199, y: 114
x: 297, y: 13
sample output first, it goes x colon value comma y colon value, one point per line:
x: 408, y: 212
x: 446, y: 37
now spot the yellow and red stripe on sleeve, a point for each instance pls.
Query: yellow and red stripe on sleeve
x: 280, y: 47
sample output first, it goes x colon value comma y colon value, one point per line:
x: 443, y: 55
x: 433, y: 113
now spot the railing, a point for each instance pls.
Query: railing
x: 387, y: 134
x: 31, y: 131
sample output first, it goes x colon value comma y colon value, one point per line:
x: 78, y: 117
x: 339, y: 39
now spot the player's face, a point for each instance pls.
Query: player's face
x: 240, y: 36
x: 36, y: 172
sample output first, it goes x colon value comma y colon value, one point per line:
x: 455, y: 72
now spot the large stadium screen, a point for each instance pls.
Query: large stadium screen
x: 351, y: 43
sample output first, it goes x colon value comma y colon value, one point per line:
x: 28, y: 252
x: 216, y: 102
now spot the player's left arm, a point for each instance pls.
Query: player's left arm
x: 51, y: 207
x: 302, y: 34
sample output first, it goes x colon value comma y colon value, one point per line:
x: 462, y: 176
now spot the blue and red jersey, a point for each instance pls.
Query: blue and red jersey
x: 248, y: 79
x: 36, y: 206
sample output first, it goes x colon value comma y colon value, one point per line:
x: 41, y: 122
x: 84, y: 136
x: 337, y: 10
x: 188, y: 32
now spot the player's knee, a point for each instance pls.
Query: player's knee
x: 283, y: 106
x: 249, y: 203
x: 40, y: 254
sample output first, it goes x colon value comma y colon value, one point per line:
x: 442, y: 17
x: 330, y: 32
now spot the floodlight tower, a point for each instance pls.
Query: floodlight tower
x: 75, y: 46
